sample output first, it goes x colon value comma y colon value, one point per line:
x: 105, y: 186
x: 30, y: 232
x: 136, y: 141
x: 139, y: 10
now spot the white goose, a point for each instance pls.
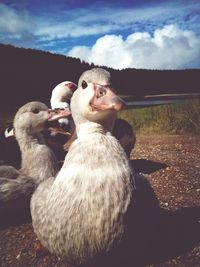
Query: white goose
x: 82, y: 213
x: 29, y: 122
x: 91, y: 214
x: 38, y: 161
x: 61, y: 96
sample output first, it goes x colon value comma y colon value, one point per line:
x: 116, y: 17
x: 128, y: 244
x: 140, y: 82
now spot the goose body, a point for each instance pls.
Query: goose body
x: 125, y: 133
x: 82, y: 214
x: 9, y: 172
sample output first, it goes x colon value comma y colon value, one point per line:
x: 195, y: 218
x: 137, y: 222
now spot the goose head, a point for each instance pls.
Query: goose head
x: 95, y: 75
x: 62, y: 94
x: 33, y: 117
x: 94, y: 100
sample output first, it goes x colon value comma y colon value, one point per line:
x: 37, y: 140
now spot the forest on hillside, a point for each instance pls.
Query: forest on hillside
x: 27, y: 74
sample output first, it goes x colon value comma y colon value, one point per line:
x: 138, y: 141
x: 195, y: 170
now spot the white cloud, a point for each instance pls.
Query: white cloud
x: 72, y: 29
x: 168, y: 48
x: 13, y: 22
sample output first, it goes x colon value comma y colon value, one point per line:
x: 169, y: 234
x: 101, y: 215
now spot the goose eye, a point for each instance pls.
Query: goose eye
x: 36, y: 110
x: 84, y: 84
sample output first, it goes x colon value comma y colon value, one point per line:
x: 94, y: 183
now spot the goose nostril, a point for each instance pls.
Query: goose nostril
x: 101, y: 92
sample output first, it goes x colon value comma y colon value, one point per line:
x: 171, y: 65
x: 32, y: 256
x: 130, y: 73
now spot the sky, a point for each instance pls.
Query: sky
x: 146, y: 34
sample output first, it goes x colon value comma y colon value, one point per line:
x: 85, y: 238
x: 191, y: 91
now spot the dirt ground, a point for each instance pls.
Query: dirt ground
x: 176, y: 186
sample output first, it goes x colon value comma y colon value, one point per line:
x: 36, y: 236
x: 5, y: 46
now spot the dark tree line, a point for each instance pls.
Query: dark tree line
x: 27, y: 75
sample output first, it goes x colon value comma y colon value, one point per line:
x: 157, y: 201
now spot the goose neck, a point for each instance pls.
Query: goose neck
x: 88, y: 128
x: 27, y: 141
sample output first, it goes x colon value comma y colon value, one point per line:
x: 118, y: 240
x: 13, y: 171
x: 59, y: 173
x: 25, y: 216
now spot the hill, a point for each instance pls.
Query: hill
x: 27, y: 74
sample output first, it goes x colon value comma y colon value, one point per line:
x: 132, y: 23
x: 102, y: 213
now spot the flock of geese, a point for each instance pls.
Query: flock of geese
x: 95, y: 210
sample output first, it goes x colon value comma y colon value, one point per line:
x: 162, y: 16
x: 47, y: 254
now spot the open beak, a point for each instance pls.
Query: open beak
x: 56, y: 114
x: 106, y: 99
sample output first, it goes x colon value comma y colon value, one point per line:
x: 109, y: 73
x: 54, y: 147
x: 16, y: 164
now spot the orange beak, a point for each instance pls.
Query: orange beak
x: 56, y: 114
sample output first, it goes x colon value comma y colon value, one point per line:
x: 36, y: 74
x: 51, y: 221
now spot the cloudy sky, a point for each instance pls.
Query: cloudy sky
x: 121, y: 34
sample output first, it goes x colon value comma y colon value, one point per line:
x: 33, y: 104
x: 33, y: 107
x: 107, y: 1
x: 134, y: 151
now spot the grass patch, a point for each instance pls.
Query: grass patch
x: 180, y: 118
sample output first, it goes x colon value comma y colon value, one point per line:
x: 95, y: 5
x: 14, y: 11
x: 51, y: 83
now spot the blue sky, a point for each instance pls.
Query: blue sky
x: 120, y: 34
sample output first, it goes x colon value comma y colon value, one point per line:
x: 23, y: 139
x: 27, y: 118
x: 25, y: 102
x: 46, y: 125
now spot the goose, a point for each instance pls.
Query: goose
x: 29, y: 122
x: 95, y: 212
x: 61, y: 96
x: 82, y: 213
x: 38, y: 160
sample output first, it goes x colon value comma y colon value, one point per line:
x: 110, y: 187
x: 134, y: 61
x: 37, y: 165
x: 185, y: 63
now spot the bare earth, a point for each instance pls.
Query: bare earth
x: 176, y: 186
